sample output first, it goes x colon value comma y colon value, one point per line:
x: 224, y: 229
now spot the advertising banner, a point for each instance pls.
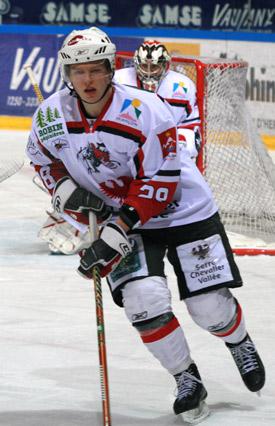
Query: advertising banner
x: 18, y: 98
x: 17, y: 95
x: 228, y: 15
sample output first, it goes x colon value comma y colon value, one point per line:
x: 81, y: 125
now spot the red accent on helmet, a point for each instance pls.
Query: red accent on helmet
x: 75, y: 40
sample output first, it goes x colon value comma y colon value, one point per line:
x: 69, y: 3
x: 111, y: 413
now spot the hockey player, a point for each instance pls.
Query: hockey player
x: 113, y: 149
x: 151, y: 71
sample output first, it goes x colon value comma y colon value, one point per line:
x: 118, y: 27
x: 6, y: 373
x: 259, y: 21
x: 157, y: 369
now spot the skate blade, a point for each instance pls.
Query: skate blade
x: 193, y: 417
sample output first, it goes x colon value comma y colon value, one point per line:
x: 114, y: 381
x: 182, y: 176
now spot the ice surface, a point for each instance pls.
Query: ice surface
x: 49, y: 357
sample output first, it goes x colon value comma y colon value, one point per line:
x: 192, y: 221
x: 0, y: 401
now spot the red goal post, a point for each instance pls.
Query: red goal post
x: 233, y: 158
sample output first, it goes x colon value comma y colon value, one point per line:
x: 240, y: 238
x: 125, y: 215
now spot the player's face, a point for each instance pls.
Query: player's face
x: 151, y: 70
x: 90, y: 80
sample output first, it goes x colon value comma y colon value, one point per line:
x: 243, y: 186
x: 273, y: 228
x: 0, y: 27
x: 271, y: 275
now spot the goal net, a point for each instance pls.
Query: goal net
x: 233, y: 158
x: 9, y: 167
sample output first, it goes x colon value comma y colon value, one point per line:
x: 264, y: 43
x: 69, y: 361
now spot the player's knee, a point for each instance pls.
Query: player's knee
x: 213, y: 310
x: 146, y: 299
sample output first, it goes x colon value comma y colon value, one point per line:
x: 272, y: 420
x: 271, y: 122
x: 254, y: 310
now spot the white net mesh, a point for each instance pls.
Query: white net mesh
x: 234, y: 160
x: 236, y: 163
x: 9, y: 167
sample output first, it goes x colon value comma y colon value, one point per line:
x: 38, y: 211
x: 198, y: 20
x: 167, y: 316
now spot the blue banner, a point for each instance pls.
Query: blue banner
x: 226, y: 15
x: 17, y: 95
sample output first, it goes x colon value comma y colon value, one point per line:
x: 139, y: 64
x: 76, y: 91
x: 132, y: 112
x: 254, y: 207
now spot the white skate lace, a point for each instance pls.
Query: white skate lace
x: 186, y: 384
x: 244, y: 356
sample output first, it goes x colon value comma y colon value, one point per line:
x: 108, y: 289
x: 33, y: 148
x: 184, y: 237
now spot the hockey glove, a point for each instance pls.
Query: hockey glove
x: 106, y: 252
x: 68, y: 196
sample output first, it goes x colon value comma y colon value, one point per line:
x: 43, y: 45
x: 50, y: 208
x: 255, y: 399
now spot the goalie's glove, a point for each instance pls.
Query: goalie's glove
x: 106, y: 252
x: 68, y: 196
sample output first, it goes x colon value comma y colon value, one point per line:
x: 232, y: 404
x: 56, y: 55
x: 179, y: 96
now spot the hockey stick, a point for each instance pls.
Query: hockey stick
x: 33, y: 81
x: 103, y: 370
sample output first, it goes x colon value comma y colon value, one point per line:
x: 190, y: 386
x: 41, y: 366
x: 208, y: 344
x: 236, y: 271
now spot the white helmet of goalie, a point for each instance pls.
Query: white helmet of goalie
x: 152, y: 61
x: 86, y: 46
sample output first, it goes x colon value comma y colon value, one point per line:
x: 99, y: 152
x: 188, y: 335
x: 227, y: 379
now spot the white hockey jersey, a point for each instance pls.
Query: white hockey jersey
x: 128, y: 156
x: 176, y: 88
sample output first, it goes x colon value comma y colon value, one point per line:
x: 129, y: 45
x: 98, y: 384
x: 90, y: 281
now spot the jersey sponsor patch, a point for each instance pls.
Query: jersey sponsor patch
x: 132, y: 266
x: 179, y: 88
x: 49, y: 123
x: 204, y: 263
x: 130, y: 112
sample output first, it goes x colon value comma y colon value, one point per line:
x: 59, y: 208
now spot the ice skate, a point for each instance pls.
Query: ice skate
x: 189, y: 403
x: 249, y: 363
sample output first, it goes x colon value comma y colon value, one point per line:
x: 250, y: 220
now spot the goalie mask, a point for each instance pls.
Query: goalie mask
x: 86, y: 46
x: 152, y: 62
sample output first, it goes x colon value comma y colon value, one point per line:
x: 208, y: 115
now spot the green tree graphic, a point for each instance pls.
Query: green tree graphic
x: 56, y: 113
x: 40, y: 119
x: 49, y: 115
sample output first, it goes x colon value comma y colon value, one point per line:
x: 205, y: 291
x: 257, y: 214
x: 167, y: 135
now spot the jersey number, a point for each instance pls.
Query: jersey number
x: 159, y: 194
x: 45, y: 174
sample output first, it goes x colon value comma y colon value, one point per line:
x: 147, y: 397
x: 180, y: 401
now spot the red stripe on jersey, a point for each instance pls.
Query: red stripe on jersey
x: 85, y: 123
x: 162, y: 332
x: 75, y: 125
x: 121, y: 127
x: 138, y: 161
x: 234, y: 326
x: 181, y: 103
x: 71, y: 124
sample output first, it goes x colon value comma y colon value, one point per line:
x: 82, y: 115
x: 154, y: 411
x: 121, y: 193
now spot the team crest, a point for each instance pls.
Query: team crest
x: 201, y: 251
x: 94, y: 155
x: 168, y: 141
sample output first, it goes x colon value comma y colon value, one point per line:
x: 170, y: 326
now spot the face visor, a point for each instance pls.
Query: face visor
x: 151, y: 74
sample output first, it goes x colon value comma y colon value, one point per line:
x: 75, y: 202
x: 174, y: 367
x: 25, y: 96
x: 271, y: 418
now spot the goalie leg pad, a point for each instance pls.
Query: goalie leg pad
x: 63, y: 237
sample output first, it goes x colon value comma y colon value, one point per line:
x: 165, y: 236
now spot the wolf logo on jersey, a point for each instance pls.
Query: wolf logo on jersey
x: 94, y: 155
